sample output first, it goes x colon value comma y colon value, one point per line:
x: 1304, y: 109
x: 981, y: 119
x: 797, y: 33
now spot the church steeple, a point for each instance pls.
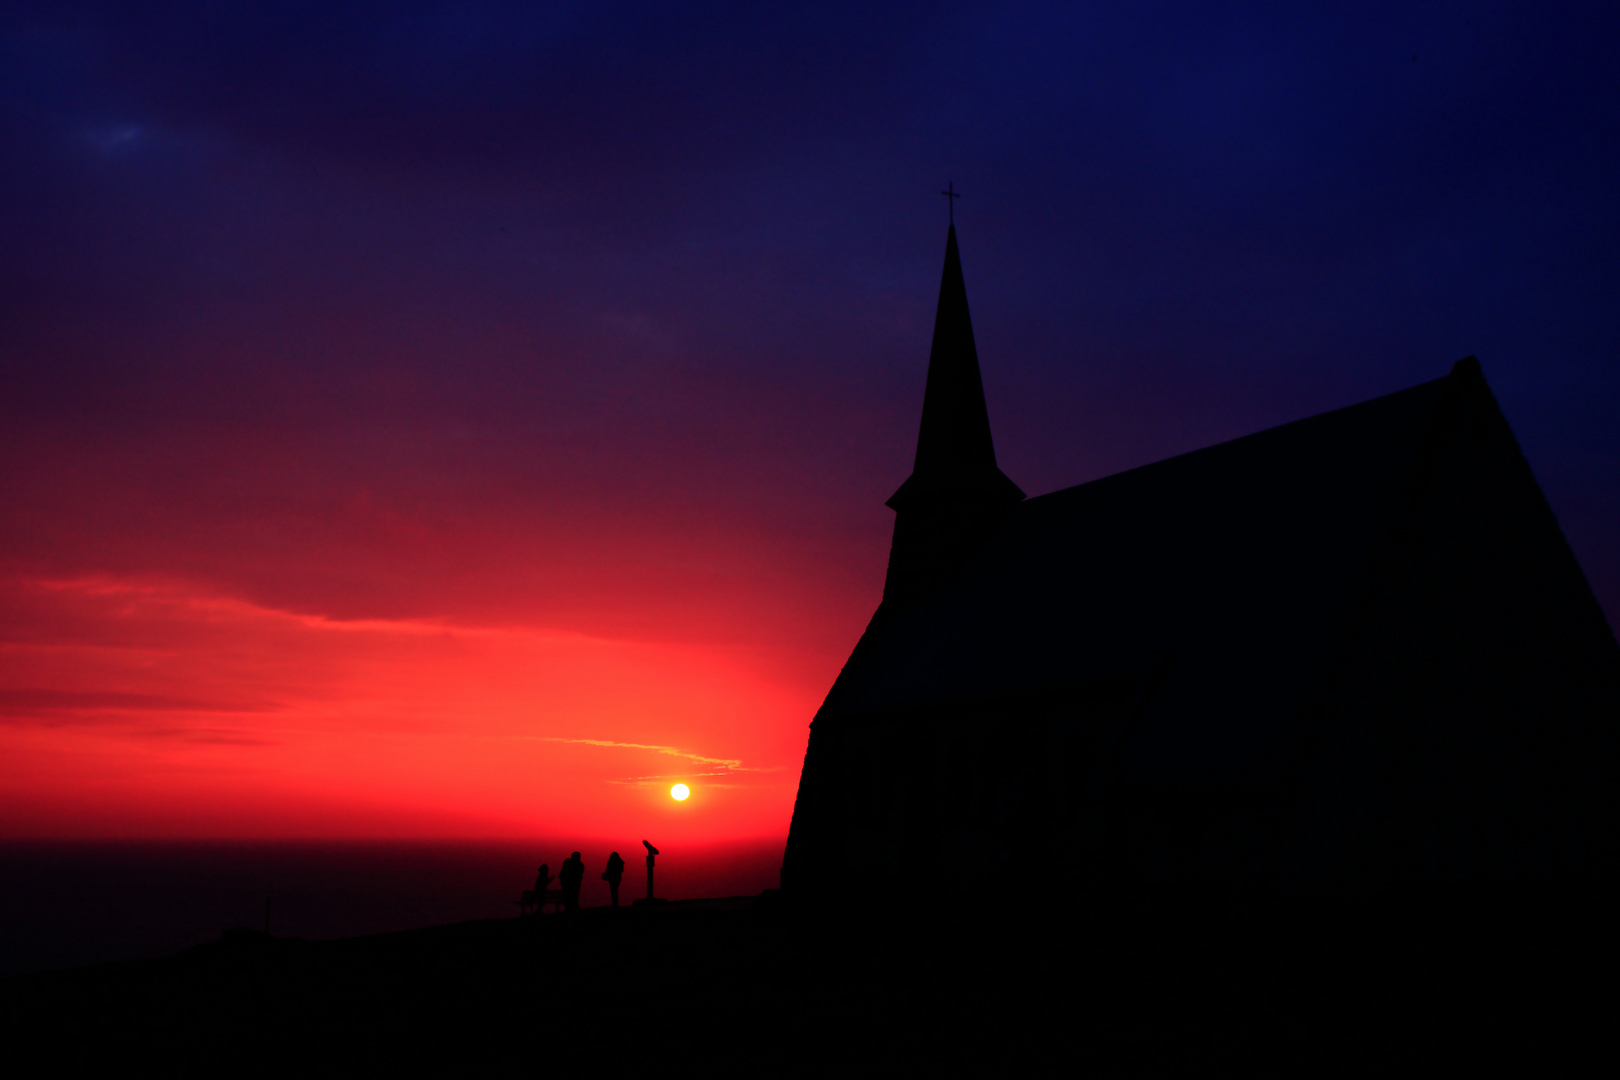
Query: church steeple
x: 954, y: 450
x: 955, y: 493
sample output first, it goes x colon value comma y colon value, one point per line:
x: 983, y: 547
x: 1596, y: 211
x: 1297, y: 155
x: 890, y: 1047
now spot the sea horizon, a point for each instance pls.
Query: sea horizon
x: 73, y: 902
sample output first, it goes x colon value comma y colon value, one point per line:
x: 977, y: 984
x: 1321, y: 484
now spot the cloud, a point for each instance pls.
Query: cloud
x: 731, y: 765
x: 505, y: 90
x: 210, y: 737
x: 36, y: 701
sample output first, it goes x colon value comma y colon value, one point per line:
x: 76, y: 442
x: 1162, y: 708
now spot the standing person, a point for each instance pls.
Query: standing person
x: 613, y: 875
x: 571, y: 877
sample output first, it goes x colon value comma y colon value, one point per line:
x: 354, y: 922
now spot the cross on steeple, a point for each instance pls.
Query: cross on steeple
x: 953, y: 194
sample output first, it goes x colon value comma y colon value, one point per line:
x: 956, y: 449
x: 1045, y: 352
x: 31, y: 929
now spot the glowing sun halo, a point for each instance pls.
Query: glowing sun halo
x: 679, y: 792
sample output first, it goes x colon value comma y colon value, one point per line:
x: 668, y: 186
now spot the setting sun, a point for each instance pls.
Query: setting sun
x: 679, y: 792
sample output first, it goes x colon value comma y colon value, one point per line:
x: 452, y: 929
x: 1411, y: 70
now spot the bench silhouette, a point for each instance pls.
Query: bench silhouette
x: 531, y: 903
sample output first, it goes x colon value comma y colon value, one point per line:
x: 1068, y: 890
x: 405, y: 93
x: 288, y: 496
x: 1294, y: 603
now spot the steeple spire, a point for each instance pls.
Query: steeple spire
x: 955, y: 454
x: 947, y: 507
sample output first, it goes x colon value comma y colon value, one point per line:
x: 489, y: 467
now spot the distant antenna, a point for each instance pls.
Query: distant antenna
x: 952, y: 195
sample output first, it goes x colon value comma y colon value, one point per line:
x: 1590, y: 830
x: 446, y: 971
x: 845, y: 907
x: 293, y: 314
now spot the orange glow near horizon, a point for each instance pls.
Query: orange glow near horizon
x: 148, y: 709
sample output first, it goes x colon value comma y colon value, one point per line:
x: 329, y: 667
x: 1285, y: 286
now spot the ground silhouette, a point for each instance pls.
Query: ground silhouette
x: 1418, y: 982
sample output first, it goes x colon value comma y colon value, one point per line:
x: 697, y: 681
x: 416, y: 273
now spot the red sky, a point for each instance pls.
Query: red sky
x: 161, y: 708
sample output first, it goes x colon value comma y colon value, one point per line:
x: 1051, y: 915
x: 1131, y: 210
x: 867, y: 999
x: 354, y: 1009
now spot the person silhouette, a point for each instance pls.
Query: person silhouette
x: 571, y: 877
x: 613, y: 875
x: 542, y: 882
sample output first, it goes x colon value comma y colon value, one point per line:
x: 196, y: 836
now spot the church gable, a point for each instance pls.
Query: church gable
x: 1469, y: 725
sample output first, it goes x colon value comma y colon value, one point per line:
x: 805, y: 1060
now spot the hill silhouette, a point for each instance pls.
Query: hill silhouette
x: 1432, y: 981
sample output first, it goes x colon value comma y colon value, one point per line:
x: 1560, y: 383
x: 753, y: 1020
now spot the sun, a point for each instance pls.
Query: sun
x: 679, y: 792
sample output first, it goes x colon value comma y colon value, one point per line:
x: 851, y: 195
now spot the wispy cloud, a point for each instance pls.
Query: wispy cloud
x: 31, y: 701
x: 642, y: 781
x: 730, y: 765
x: 210, y: 737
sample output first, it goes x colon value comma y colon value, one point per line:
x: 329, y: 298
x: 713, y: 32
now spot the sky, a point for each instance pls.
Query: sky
x: 432, y: 420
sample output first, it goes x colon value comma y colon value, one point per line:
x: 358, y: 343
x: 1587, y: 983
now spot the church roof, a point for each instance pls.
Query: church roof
x: 1229, y: 569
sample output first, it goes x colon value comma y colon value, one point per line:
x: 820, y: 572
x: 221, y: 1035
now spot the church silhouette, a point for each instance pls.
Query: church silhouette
x: 1348, y: 654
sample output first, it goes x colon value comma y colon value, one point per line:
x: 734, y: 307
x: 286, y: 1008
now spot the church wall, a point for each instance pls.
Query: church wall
x: 1467, y: 728
x: 1008, y: 797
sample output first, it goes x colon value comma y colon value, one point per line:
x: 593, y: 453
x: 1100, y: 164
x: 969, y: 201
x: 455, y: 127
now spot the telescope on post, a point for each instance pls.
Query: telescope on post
x: 652, y: 855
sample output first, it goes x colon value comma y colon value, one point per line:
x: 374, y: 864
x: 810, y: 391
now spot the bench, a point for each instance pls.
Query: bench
x: 532, y: 904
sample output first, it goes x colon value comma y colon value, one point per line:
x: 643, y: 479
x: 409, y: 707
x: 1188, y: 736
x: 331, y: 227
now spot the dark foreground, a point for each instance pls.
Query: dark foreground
x: 1438, y: 986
